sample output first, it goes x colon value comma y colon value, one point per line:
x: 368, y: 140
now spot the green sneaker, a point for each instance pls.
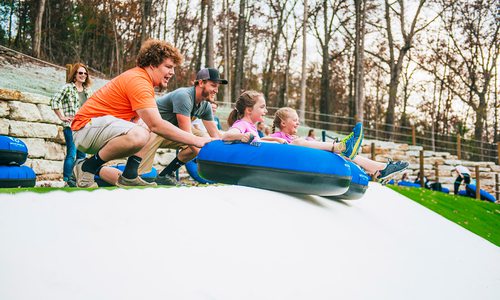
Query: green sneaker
x: 352, y: 142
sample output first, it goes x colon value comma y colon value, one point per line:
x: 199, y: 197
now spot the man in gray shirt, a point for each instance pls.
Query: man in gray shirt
x: 181, y: 107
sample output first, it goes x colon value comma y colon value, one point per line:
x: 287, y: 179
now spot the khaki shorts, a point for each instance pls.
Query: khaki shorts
x: 99, y: 131
x: 155, y: 142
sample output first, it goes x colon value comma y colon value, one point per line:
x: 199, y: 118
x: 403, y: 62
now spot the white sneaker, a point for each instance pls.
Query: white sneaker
x: 138, y: 181
x: 83, y: 179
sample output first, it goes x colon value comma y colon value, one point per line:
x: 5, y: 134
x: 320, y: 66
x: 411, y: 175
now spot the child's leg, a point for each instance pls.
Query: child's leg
x: 313, y: 144
x: 370, y: 166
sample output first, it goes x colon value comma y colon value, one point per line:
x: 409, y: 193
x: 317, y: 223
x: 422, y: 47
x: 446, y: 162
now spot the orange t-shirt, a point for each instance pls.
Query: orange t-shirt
x: 121, y: 97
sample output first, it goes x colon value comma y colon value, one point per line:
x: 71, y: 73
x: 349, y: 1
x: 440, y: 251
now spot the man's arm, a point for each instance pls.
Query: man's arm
x: 184, y: 122
x: 156, y: 124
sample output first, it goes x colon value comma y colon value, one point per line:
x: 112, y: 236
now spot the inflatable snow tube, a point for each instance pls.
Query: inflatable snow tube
x: 17, y: 176
x: 445, y: 190
x: 471, y: 191
x: 408, y: 184
x: 277, y: 167
x: 192, y: 169
x: 358, y: 185
x: 149, y: 177
x: 12, y: 151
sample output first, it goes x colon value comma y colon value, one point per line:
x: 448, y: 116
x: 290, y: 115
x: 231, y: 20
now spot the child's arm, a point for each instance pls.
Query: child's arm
x: 234, y: 134
x: 273, y: 139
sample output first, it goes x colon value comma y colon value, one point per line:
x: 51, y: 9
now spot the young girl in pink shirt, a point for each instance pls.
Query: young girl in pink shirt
x: 287, y: 121
x: 251, y: 108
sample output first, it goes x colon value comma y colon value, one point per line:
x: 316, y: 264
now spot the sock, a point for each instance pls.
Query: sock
x: 92, y: 164
x: 338, y: 147
x: 131, y: 167
x: 172, y: 167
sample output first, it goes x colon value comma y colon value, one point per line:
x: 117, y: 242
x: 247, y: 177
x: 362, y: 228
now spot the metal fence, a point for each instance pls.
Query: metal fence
x: 467, y: 149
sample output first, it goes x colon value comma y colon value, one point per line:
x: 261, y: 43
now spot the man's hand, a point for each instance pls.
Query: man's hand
x: 202, y: 141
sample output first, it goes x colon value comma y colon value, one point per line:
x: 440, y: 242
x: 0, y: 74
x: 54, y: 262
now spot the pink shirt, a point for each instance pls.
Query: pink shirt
x: 288, y: 138
x: 244, y: 127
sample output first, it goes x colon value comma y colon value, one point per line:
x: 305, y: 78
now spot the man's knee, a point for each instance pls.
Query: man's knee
x: 137, y: 137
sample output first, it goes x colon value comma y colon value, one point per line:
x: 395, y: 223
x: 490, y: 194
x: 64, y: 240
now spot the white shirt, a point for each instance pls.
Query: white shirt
x: 462, y: 170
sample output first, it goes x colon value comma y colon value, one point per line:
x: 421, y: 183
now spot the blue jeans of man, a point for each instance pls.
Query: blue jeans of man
x: 71, y: 154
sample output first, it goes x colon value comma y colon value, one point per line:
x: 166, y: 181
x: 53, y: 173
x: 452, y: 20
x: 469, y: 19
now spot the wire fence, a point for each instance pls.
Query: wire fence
x: 467, y: 149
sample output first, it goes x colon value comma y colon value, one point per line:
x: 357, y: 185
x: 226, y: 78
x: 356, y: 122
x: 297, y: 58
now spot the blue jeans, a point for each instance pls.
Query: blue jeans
x: 71, y: 154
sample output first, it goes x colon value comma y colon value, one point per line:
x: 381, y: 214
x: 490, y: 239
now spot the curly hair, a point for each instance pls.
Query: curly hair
x: 72, y: 74
x: 246, y: 99
x: 154, y: 52
x: 281, y: 115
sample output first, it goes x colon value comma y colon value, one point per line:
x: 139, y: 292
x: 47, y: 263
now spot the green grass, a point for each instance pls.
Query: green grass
x: 480, y: 217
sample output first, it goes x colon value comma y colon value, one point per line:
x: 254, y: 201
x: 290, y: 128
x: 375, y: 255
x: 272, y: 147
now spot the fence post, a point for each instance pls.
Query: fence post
x: 436, y: 167
x: 498, y: 153
x: 372, y: 150
x: 478, y: 184
x: 68, y: 70
x: 422, y: 183
x: 497, y: 187
x: 413, y: 135
x: 459, y: 147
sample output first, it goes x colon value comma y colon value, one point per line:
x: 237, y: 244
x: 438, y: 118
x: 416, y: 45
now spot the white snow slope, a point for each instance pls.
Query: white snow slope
x: 231, y: 242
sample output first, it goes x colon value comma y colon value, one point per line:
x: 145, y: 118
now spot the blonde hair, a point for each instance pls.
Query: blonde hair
x: 246, y: 99
x: 72, y: 74
x: 281, y: 115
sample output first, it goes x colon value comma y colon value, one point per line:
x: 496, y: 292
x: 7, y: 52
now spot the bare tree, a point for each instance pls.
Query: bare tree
x: 145, y: 14
x: 359, y: 51
x: 199, y: 43
x: 209, y: 54
x: 227, y: 52
x: 37, y: 36
x: 398, y: 52
x: 325, y: 13
x: 303, y: 79
x: 281, y: 13
x: 240, y: 51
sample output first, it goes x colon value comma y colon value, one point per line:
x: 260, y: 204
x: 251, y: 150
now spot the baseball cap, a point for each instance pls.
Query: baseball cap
x: 210, y: 74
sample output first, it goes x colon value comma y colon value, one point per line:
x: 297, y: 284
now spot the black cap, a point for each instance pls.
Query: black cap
x: 210, y: 74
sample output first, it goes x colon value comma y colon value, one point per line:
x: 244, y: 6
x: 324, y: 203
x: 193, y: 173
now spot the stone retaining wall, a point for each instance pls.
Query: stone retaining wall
x: 29, y: 117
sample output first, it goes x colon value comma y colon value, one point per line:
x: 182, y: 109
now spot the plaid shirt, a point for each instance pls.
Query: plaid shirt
x: 67, y: 99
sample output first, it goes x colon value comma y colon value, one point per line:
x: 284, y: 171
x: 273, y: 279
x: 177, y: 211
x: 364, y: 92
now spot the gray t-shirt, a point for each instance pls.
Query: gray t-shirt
x: 182, y: 101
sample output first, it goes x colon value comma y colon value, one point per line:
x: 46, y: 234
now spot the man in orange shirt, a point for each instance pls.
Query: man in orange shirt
x: 106, y: 125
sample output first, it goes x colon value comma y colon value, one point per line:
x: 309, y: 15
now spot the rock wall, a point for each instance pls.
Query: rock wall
x: 29, y: 117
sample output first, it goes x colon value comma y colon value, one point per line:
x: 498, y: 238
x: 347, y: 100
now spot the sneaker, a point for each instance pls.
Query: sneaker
x: 166, y: 180
x: 392, y: 169
x: 352, y: 142
x: 138, y: 181
x: 83, y: 179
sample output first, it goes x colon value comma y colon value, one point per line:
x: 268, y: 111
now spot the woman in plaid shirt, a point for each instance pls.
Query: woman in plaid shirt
x: 65, y: 104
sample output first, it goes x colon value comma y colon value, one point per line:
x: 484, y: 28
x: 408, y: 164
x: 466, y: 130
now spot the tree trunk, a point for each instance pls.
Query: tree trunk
x: 227, y: 53
x: 37, y: 36
x: 209, y: 54
x: 302, y: 111
x: 396, y: 65
x: 267, y: 81
x: 145, y: 12
x: 324, y: 107
x: 240, y: 51
x: 199, y: 42
x: 359, y: 50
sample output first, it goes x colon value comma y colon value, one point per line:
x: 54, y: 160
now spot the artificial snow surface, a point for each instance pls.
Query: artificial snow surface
x: 231, y: 242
